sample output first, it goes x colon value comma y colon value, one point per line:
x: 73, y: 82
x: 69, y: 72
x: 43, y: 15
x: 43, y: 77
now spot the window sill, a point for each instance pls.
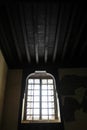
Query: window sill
x: 40, y: 121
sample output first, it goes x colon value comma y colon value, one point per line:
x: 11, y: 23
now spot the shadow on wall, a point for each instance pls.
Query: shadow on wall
x: 74, y: 96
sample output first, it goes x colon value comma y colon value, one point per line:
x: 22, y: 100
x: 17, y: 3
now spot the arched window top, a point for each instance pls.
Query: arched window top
x: 40, y: 102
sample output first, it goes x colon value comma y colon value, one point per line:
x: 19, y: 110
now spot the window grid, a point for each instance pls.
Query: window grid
x: 40, y: 109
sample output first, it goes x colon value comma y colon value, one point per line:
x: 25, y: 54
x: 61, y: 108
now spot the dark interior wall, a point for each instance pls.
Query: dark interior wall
x: 3, y: 76
x: 69, y: 79
x: 12, y: 99
x: 74, y: 98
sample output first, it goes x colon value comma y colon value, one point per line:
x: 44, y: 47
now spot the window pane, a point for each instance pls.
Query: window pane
x: 30, y: 92
x: 50, y: 98
x: 36, y: 92
x: 44, y: 87
x: 51, y: 111
x: 44, y: 112
x: 29, y: 98
x: 44, y: 117
x: 29, y: 104
x: 44, y: 98
x: 36, y: 98
x: 50, y: 92
x: 44, y: 105
x: 51, y: 104
x: 44, y: 92
x: 44, y: 81
x: 29, y: 111
x: 30, y: 86
x: 36, y: 117
x: 37, y: 86
x: 36, y: 111
x: 50, y: 81
x: 36, y: 104
x: 51, y: 117
x: 37, y: 81
x: 30, y: 81
x: 29, y: 117
x: 50, y: 86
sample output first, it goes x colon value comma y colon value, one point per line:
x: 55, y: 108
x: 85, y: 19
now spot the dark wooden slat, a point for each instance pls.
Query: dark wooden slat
x: 46, y: 33
x: 14, y: 35
x: 35, y: 31
x: 83, y: 48
x: 78, y: 38
x: 57, y: 34
x: 5, y: 45
x: 24, y: 33
x: 68, y: 34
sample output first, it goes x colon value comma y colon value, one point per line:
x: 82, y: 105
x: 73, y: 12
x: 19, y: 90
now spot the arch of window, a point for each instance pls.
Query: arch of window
x: 40, y: 102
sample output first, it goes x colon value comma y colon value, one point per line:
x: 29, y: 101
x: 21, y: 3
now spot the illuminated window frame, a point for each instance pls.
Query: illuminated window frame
x: 40, y: 101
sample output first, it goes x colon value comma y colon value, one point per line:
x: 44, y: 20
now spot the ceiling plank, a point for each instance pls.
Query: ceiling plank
x: 68, y: 34
x: 35, y: 30
x: 4, y: 39
x: 14, y: 35
x: 24, y: 33
x: 57, y: 33
x: 78, y: 38
x: 83, y: 48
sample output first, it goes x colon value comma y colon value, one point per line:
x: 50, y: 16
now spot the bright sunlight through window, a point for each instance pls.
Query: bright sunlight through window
x: 40, y: 102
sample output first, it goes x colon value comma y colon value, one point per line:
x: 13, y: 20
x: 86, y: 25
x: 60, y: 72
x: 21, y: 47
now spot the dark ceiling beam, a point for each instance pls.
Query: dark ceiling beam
x: 46, y: 32
x: 5, y: 44
x: 78, y: 38
x: 24, y: 33
x: 35, y: 30
x: 83, y: 48
x: 57, y: 33
x: 68, y: 34
x: 14, y: 35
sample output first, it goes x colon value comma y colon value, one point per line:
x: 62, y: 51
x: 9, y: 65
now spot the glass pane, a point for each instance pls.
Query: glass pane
x: 36, y: 98
x: 50, y: 98
x: 44, y: 87
x: 29, y: 98
x: 51, y: 111
x: 50, y: 81
x: 44, y: 117
x: 44, y: 81
x: 44, y: 112
x: 36, y: 92
x: 30, y: 81
x: 44, y: 92
x: 36, y: 104
x: 30, y: 92
x: 36, y: 86
x: 37, y: 81
x: 51, y: 104
x: 44, y: 105
x: 29, y: 104
x: 29, y: 117
x: 30, y: 86
x: 44, y: 98
x: 50, y: 92
x: 50, y: 86
x: 36, y: 111
x: 51, y: 117
x: 29, y: 111
x: 36, y: 117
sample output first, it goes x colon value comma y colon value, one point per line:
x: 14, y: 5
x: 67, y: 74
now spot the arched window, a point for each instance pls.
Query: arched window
x: 40, y: 102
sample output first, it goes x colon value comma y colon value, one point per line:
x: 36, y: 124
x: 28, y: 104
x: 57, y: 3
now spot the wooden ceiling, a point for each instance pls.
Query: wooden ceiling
x: 44, y: 33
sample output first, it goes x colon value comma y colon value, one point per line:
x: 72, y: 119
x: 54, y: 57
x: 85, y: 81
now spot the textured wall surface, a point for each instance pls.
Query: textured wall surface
x: 3, y: 76
x: 12, y: 100
x: 74, y: 98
